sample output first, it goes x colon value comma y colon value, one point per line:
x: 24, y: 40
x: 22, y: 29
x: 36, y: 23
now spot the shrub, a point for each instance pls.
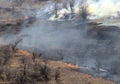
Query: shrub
x: 84, y: 12
x: 57, y: 75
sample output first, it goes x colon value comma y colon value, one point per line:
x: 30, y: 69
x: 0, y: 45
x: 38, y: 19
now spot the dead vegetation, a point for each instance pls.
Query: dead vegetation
x: 26, y: 71
x: 18, y: 68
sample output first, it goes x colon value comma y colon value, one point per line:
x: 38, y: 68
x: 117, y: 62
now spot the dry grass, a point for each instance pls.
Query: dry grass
x: 19, y: 69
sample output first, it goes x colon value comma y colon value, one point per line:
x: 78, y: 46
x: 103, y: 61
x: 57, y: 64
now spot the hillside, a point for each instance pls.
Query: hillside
x: 18, y: 65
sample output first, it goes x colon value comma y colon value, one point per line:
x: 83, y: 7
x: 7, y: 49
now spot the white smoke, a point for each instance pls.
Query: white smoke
x: 99, y: 8
x: 104, y: 7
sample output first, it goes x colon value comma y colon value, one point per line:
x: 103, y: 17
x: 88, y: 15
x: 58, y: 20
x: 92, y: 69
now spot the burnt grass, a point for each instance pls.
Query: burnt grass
x: 16, y: 68
x: 14, y: 26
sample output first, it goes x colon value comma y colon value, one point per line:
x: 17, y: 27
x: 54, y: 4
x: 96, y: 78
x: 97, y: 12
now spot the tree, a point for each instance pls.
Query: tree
x: 56, y: 9
x: 65, y: 4
x: 71, y: 3
x: 84, y: 12
x: 84, y: 9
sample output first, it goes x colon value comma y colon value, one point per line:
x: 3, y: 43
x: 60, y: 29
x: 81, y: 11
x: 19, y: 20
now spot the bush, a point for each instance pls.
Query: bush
x: 84, y: 12
x: 30, y: 71
x: 57, y: 75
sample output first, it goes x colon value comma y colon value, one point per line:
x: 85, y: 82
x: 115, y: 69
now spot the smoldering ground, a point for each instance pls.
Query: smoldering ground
x: 79, y: 43
x: 83, y: 44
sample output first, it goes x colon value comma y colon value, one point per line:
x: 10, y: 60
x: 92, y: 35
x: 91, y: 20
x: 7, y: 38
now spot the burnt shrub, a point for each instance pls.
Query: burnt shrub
x: 11, y: 74
x: 21, y: 79
x: 14, y: 45
x: 57, y: 76
x: 35, y: 56
x: 29, y: 71
x: 7, y: 52
x: 84, y: 12
x: 5, y: 55
x: 41, y: 72
x: 1, y: 73
x: 34, y: 72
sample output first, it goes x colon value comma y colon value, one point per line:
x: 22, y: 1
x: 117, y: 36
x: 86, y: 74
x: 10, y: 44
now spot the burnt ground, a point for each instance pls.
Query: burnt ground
x: 57, y: 72
x: 17, y: 68
x: 64, y: 75
x: 14, y: 25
